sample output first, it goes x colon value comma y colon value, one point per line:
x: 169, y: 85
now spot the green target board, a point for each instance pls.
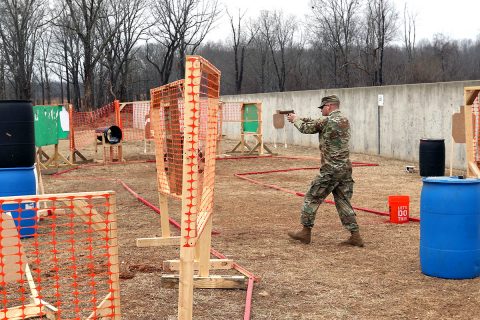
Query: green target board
x: 250, y: 118
x: 48, y: 128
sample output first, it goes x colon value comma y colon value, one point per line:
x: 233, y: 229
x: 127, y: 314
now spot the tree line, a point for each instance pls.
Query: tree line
x: 91, y: 52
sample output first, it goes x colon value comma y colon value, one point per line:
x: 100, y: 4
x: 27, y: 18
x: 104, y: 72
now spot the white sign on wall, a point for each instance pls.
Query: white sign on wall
x: 380, y: 100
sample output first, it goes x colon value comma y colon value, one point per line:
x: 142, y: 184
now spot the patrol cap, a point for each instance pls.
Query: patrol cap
x: 329, y: 99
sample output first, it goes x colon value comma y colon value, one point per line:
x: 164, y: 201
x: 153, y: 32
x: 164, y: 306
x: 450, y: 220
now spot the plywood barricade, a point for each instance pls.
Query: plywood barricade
x: 184, y: 117
x: 69, y: 267
x: 472, y: 130
x: 51, y: 125
x: 249, y: 116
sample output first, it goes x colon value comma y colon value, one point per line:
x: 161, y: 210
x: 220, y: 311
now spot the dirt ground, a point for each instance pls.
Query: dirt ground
x: 318, y: 281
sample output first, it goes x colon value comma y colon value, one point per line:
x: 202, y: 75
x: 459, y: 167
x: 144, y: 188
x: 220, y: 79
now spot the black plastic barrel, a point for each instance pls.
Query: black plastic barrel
x: 17, y: 134
x: 112, y: 134
x: 432, y: 157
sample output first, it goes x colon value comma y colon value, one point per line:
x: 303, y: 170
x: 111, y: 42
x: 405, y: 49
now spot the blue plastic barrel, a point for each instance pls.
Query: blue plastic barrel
x: 450, y: 227
x: 16, y: 182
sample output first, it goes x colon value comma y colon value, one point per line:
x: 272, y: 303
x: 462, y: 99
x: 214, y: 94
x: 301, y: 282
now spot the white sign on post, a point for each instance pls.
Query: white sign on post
x: 380, y: 100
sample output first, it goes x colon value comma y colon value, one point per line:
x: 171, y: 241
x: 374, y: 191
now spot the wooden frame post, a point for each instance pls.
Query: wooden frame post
x: 470, y: 95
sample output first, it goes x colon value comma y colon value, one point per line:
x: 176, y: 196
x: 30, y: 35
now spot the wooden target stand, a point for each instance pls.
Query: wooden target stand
x: 180, y: 176
x: 56, y: 160
x: 110, y: 152
x: 279, y: 124
x: 169, y: 160
x: 251, y: 126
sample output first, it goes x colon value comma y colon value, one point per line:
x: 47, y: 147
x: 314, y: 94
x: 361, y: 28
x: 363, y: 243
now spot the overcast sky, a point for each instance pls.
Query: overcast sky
x: 457, y: 19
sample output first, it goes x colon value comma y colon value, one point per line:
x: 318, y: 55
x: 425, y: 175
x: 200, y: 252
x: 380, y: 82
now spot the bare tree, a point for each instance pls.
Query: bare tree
x: 199, y: 20
x: 446, y: 51
x: 337, y: 27
x: 67, y: 54
x: 85, y: 21
x: 409, y: 30
x: 21, y: 23
x: 43, y: 65
x: 180, y: 27
x: 120, y: 48
x: 241, y: 41
x: 381, y: 19
x: 259, y: 60
x: 278, y: 32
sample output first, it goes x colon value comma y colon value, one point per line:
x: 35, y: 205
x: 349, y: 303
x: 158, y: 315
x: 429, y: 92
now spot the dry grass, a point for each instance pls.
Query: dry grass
x: 317, y: 281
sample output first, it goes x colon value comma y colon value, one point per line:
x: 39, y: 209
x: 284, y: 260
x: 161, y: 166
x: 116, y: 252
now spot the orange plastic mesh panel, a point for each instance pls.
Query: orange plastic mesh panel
x: 202, y: 83
x: 476, y: 129
x: 84, y: 124
x: 134, y: 117
x: 232, y: 111
x: 167, y: 123
x: 65, y: 265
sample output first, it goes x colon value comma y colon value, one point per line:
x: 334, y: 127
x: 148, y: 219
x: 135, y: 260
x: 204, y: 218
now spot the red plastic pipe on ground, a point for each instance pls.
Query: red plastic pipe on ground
x: 251, y: 277
x: 301, y: 194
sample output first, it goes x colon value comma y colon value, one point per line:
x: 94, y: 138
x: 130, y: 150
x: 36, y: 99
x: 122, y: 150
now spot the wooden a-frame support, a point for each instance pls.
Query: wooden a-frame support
x: 55, y: 160
x: 243, y: 146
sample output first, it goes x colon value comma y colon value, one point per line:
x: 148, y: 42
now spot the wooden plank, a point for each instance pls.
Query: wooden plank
x: 189, y: 186
x: 210, y: 282
x: 164, y: 216
x: 103, y: 310
x: 114, y: 263
x: 12, y: 255
x: 260, y: 128
x: 159, y: 148
x: 474, y: 169
x: 469, y: 138
x: 470, y: 94
x: 203, y: 246
x: 89, y: 215
x: 22, y: 312
x: 215, y: 264
x: 158, y: 242
x: 58, y: 196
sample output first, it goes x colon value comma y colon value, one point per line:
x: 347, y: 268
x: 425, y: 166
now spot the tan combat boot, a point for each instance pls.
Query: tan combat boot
x: 304, y: 235
x: 354, y: 240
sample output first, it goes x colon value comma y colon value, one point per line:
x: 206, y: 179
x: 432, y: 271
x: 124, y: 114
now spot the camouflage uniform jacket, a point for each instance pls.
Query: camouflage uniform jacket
x: 334, y: 136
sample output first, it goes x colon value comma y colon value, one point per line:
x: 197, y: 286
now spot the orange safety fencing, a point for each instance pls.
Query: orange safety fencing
x: 133, y: 118
x: 83, y: 124
x: 202, y: 93
x: 231, y: 111
x: 167, y: 124
x: 63, y: 265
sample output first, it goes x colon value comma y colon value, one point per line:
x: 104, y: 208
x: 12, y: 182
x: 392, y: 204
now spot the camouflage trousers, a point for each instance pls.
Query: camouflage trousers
x: 341, y: 186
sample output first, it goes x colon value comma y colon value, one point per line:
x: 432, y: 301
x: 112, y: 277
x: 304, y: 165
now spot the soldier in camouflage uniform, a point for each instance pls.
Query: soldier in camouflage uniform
x: 335, y: 172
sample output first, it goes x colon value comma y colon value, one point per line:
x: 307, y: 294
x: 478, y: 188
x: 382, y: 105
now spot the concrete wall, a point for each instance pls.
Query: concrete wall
x: 410, y: 113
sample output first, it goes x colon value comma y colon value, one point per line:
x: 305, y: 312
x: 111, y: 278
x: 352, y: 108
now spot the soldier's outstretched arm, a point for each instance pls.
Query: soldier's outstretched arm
x: 309, y: 126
